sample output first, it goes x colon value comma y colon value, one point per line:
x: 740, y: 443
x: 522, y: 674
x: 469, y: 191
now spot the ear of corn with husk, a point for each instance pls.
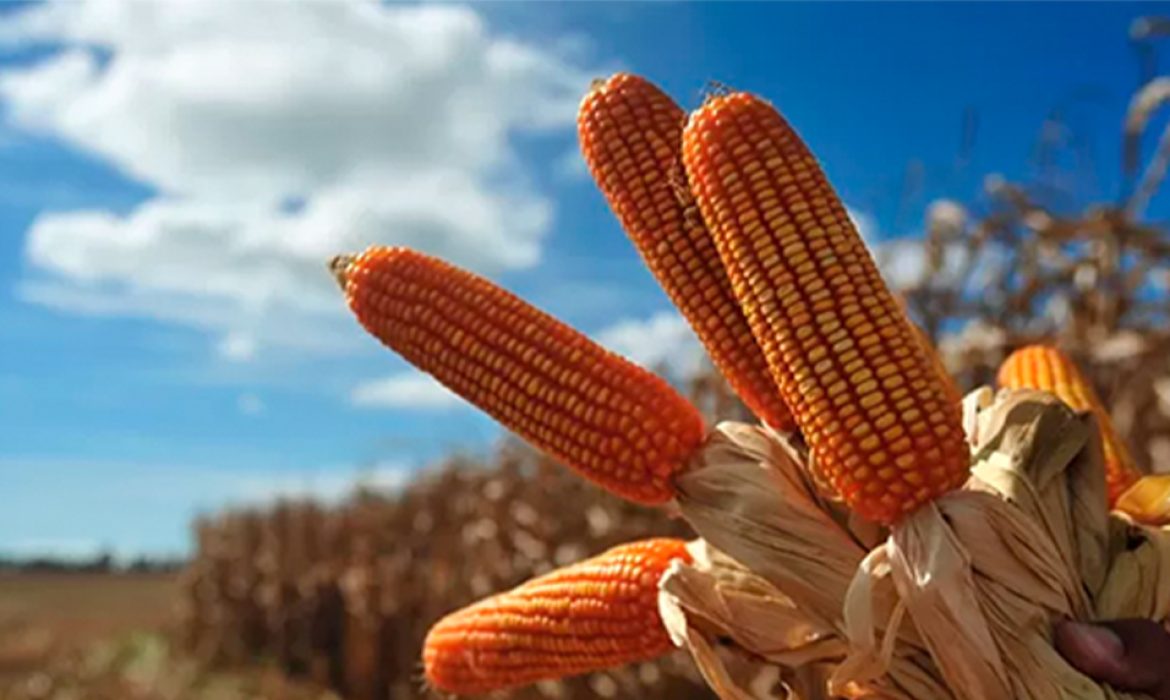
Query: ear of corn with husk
x: 1048, y: 369
x: 851, y: 367
x: 958, y: 600
x: 904, y: 544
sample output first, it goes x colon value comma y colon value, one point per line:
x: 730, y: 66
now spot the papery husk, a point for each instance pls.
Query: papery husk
x: 1139, y: 580
x: 766, y: 589
x: 957, y: 601
x: 728, y: 618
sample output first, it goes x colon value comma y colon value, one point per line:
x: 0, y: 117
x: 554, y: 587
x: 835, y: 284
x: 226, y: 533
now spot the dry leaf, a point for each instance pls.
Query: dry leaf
x: 958, y: 601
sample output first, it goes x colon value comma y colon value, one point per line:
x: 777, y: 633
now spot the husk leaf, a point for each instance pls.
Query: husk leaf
x: 986, y: 571
x: 749, y: 496
x: 771, y: 575
x: 956, y: 601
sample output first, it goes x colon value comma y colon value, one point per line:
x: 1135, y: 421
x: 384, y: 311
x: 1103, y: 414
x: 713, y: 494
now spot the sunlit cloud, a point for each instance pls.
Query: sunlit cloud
x: 407, y: 390
x: 275, y: 136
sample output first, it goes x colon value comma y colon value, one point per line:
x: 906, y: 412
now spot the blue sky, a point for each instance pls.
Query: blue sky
x: 171, y: 184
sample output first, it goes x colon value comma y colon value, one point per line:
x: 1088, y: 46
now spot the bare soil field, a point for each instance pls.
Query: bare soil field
x: 110, y: 637
x: 45, y: 615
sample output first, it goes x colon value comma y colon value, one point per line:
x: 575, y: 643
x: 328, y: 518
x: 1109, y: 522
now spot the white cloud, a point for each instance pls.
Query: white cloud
x: 902, y: 261
x: 261, y: 100
x: 279, y: 134
x: 663, y: 340
x: 293, y: 328
x: 411, y: 389
x: 237, y: 346
x: 250, y: 405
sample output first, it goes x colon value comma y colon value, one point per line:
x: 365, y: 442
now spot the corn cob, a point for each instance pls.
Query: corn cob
x: 597, y: 614
x: 847, y: 361
x: 1047, y: 369
x: 1147, y: 500
x: 631, y: 136
x: 613, y: 422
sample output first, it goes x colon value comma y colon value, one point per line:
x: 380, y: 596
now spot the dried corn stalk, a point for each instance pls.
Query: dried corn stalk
x: 1052, y: 261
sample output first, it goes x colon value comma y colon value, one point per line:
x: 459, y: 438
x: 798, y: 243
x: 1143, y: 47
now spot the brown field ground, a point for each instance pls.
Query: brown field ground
x: 45, y: 615
x: 109, y: 637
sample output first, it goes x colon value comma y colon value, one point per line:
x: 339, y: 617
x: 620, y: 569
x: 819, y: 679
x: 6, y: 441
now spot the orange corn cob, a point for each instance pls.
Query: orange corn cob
x: 1147, y: 500
x: 631, y: 137
x: 593, y: 615
x: 1047, y: 369
x: 850, y: 366
x: 611, y: 421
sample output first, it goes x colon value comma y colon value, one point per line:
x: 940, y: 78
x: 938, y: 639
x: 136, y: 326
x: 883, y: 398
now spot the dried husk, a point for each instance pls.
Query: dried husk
x: 956, y: 601
x: 715, y: 601
x: 771, y: 576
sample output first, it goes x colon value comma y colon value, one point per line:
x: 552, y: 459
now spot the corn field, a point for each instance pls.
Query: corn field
x: 1018, y: 266
x: 344, y: 596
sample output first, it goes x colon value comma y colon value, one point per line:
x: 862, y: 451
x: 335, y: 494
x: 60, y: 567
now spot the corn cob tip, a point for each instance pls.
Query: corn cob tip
x: 600, y: 87
x: 339, y: 266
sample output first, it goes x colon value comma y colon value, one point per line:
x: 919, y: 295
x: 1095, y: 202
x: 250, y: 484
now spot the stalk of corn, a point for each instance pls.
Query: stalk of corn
x: 849, y: 364
x: 1048, y: 369
x: 613, y: 422
x: 631, y: 136
x: 593, y: 615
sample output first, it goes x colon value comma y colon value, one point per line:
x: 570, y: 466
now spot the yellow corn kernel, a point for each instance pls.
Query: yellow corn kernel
x: 613, y: 422
x: 1045, y: 368
x: 631, y: 136
x: 1147, y: 500
x: 594, y: 615
x: 806, y: 281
